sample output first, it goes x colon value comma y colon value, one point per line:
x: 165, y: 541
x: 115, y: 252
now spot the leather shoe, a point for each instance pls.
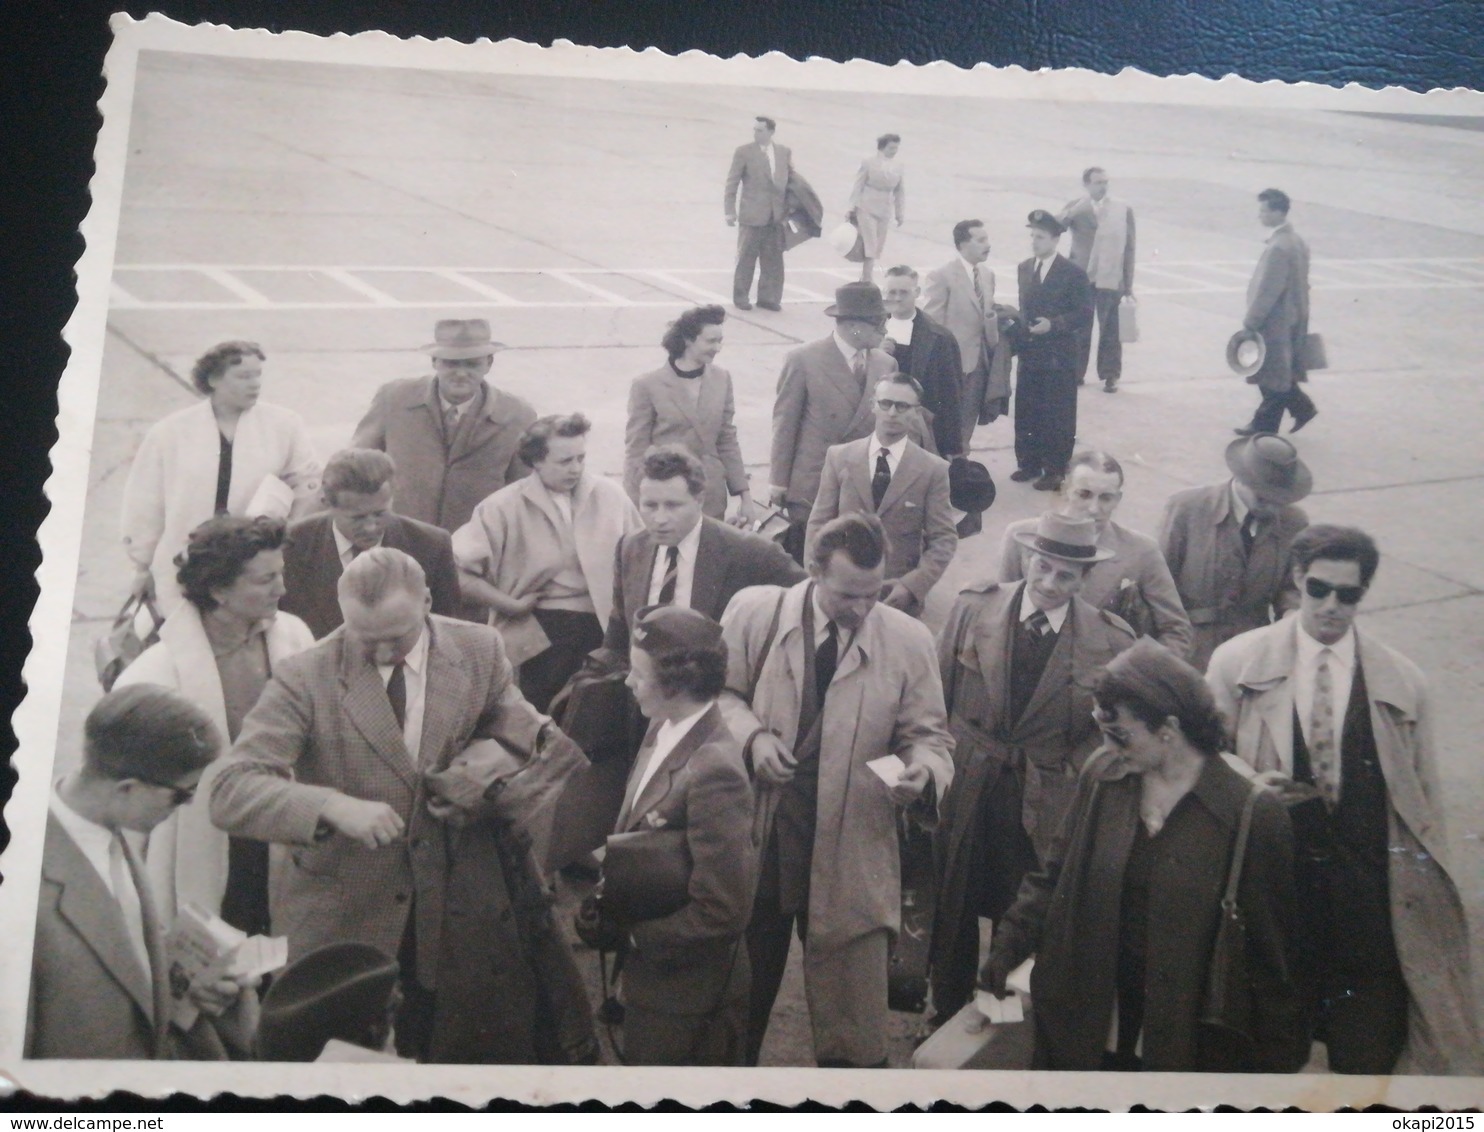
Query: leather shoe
x: 1245, y: 431
x: 1110, y: 387
x: 742, y: 304
x: 1024, y: 475
x: 770, y: 306
x: 1048, y: 483
x: 1299, y: 422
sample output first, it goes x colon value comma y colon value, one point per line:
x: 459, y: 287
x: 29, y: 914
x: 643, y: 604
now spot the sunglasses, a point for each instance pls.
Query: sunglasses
x: 1318, y: 590
x: 887, y: 406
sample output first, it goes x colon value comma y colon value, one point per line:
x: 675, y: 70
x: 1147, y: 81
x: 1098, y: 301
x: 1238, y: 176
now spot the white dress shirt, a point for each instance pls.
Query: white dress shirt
x: 893, y: 454
x: 1341, y: 657
x: 457, y: 410
x: 1043, y: 265
x: 415, y: 673
x: 772, y: 161
x: 344, y: 547
x: 1057, y: 617
x: 822, y: 629
x: 899, y: 330
x: 685, y: 568
x: 666, y: 739
x: 96, y: 844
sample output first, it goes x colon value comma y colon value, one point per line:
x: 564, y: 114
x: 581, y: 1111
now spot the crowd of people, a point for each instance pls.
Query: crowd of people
x: 356, y: 718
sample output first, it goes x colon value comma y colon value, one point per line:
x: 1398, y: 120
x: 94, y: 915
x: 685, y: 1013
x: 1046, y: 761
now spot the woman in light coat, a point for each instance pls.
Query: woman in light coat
x: 218, y: 649
x: 222, y: 454
x: 878, y: 194
x: 539, y: 554
x: 688, y: 401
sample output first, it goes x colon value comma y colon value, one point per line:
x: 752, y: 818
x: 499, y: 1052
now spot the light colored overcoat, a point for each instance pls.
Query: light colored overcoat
x: 662, y: 412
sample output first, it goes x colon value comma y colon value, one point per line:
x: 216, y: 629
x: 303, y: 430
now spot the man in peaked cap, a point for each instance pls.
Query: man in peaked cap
x: 1017, y: 661
x: 453, y: 435
x: 1056, y: 302
x: 1227, y: 544
x: 827, y: 396
x: 342, y: 991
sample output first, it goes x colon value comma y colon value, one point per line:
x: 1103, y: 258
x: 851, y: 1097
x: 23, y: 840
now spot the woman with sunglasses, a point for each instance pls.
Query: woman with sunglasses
x: 218, y: 649
x: 1122, y: 918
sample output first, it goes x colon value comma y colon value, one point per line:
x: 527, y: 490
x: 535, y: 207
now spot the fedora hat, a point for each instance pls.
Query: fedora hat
x: 458, y: 339
x: 970, y: 486
x: 340, y: 990
x: 1070, y: 540
x: 858, y: 300
x: 1245, y: 352
x: 1270, y: 464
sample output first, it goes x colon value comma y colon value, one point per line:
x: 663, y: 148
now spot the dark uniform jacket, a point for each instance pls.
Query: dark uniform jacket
x: 1064, y: 298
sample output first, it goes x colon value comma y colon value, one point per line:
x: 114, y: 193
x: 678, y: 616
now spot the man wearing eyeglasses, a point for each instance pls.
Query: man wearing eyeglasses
x: 889, y: 476
x: 1337, y: 724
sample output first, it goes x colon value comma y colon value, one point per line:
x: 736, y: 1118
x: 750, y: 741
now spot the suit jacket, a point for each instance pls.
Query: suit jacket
x: 948, y: 299
x: 1226, y: 591
x: 820, y: 403
x: 727, y: 560
x: 1278, y: 308
x: 1064, y: 298
x: 442, y: 483
x: 915, y: 510
x: 661, y: 413
x: 1250, y: 676
x: 936, y: 366
x: 312, y: 569
x: 1109, y: 263
x: 1136, y: 562
x: 684, y: 962
x: 761, y: 195
x: 90, y: 997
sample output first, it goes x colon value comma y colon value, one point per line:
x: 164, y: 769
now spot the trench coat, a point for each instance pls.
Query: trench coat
x: 660, y: 412
x: 1068, y: 916
x: 1278, y: 309
x: 1250, y: 678
x: 186, y: 856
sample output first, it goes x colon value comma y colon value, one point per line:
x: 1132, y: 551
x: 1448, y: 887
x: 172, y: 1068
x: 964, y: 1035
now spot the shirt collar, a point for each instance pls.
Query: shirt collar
x: 87, y: 833
x: 690, y: 544
x: 676, y: 730
x: 1056, y: 617
x: 343, y: 545
x: 971, y: 268
x: 1239, y: 508
x: 1342, y: 652
x: 845, y: 348
x: 417, y: 659
x: 894, y: 450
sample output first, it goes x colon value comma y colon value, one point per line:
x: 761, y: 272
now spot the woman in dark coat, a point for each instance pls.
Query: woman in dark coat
x: 1122, y: 919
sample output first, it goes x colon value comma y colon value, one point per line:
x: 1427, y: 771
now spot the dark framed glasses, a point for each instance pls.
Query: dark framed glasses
x: 889, y: 406
x: 1319, y: 590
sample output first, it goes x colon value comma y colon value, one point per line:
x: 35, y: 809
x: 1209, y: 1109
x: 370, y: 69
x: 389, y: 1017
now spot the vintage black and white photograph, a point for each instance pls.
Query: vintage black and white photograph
x: 587, y: 573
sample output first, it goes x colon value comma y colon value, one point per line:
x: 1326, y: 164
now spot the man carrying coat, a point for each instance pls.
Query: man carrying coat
x: 1339, y: 726
x: 959, y: 296
x: 822, y: 681
x: 1017, y: 664
x: 760, y: 171
x: 1278, y: 309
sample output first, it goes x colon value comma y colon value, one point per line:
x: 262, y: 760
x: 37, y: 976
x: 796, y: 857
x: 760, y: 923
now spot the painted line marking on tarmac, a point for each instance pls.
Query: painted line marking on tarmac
x: 671, y: 280
x: 230, y: 282
x: 498, y: 297
x: 353, y: 282
x: 609, y: 298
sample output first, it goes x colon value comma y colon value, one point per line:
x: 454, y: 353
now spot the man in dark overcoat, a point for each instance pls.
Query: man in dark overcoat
x: 925, y: 349
x: 1278, y: 309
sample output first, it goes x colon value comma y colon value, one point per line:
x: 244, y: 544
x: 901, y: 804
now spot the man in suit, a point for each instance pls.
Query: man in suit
x: 826, y: 396
x: 960, y: 297
x: 927, y: 352
x: 888, y: 476
x: 760, y: 170
x: 334, y: 763
x: 1017, y: 665
x: 1227, y: 544
x: 685, y: 976
x: 682, y: 556
x: 1055, y: 308
x: 100, y: 975
x: 1103, y: 246
x: 823, y: 679
x: 1278, y: 309
x: 453, y: 435
x: 357, y: 487
x: 1339, y: 726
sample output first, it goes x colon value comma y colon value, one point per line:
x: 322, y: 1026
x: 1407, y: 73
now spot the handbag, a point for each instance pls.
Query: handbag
x: 646, y: 874
x: 1312, y: 355
x: 1128, y: 320
x: 1227, y: 1004
x: 122, y: 644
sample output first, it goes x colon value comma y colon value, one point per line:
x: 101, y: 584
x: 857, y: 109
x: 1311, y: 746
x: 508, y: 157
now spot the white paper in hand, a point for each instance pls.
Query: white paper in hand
x: 999, y: 1010
x: 888, y: 768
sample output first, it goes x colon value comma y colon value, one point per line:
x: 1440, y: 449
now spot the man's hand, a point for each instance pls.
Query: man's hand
x: 1040, y: 326
x: 994, y: 973
x: 899, y: 597
x: 772, y: 760
x: 217, y: 997
x: 748, y: 512
x: 237, y: 1023
x: 911, y: 784
x: 370, y: 824
x: 731, y: 221
x: 1285, y: 788
x: 777, y: 496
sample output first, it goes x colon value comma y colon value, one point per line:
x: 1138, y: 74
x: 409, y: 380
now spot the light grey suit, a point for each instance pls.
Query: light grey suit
x: 948, y: 298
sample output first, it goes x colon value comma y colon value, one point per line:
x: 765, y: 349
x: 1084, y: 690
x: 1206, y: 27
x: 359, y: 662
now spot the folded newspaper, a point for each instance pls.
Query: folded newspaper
x: 203, y: 948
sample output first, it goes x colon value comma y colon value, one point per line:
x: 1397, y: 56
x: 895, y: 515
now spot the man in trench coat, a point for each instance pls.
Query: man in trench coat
x: 1340, y: 726
x: 1278, y: 309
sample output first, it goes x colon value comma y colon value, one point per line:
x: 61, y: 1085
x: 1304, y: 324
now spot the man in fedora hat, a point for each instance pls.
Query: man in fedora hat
x: 1227, y: 544
x: 453, y: 435
x: 1278, y: 309
x: 1017, y: 662
x: 826, y: 396
x: 1056, y: 303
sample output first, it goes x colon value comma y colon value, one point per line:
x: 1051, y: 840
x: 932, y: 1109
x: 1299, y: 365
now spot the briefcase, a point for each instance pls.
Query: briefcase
x: 1128, y: 320
x: 646, y: 874
x: 1313, y: 355
x: 907, y: 966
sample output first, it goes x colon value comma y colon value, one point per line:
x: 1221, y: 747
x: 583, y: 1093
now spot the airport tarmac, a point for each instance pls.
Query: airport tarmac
x: 332, y: 214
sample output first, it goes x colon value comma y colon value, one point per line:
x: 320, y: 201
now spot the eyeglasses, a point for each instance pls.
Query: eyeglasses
x: 894, y: 406
x: 179, y: 795
x: 1348, y: 595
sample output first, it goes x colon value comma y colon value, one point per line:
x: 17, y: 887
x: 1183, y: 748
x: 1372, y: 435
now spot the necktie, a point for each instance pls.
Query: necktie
x: 978, y: 288
x: 127, y: 895
x: 826, y: 658
x: 396, y: 693
x: 450, y: 424
x: 672, y: 575
x: 1041, y: 270
x: 1249, y: 532
x: 1038, y: 623
x: 1322, y: 732
x: 151, y: 933
x: 858, y: 366
x: 881, y: 480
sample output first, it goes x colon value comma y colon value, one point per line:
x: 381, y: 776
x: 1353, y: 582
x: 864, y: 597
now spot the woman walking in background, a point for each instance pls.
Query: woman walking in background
x: 877, y: 196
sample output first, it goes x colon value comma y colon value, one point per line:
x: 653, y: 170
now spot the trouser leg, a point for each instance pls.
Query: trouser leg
x: 769, y: 936
x: 1082, y: 351
x: 1058, y: 431
x: 971, y: 399
x: 748, y: 243
x: 1269, y: 414
x: 953, y: 980
x: 770, y: 251
x: 1029, y: 397
x: 1300, y: 404
x: 1365, y: 1024
x: 846, y: 991
x: 414, y: 1021
x: 1110, y: 346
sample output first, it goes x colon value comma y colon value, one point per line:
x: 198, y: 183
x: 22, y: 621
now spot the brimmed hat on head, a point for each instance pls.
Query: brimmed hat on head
x: 340, y: 990
x: 459, y: 339
x: 1067, y: 539
x: 1245, y: 352
x: 1043, y: 220
x: 858, y: 300
x: 1270, y: 464
x: 671, y: 628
